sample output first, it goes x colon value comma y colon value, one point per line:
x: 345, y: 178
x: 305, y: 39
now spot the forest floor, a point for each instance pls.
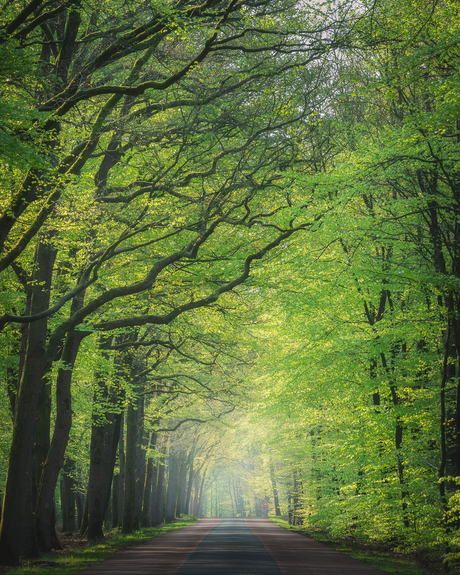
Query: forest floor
x: 377, y: 554
x: 78, y: 553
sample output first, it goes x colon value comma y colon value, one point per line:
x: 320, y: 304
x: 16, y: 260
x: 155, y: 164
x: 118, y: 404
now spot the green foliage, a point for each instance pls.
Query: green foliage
x: 376, y: 557
x: 179, y: 141
x: 357, y: 320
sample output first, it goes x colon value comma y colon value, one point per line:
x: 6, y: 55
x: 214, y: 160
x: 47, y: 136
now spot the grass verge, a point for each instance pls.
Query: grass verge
x: 386, y: 561
x: 71, y: 561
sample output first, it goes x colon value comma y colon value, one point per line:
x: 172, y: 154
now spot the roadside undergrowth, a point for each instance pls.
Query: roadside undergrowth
x: 78, y: 553
x: 382, y: 558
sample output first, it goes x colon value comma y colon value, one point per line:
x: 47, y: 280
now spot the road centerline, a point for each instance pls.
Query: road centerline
x: 230, y: 548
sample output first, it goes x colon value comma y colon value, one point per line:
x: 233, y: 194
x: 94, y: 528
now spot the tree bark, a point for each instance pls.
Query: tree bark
x: 105, y: 435
x: 181, y: 477
x: 275, y: 491
x: 116, y: 519
x: 121, y: 461
x: 42, y: 432
x: 171, y: 493
x: 199, y: 493
x: 191, y: 479
x: 140, y: 464
x: 17, y: 536
x: 153, y: 520
x: 147, y: 493
x: 104, y: 443
x: 129, y: 496
x: 68, y: 497
x: 146, y: 507
x: 199, y: 500
x: 295, y: 502
x: 159, y: 510
x: 80, y: 503
x: 44, y: 512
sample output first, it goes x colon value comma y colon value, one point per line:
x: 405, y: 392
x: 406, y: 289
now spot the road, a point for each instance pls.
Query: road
x: 231, y: 547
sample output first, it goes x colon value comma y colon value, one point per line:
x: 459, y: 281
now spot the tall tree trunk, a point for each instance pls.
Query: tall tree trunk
x: 275, y: 490
x: 146, y: 507
x: 44, y: 512
x: 116, y: 519
x: 118, y: 481
x: 188, y: 494
x: 17, y: 536
x: 182, y: 504
x: 181, y: 476
x: 68, y: 497
x: 80, y: 503
x: 232, y: 499
x: 121, y: 461
x: 105, y: 435
x: 104, y: 443
x: 296, y: 505
x: 14, y: 376
x: 443, y: 421
x: 159, y: 509
x: 42, y: 432
x: 140, y: 464
x: 153, y: 519
x: 147, y: 493
x: 399, y: 431
x: 199, y: 493
x: 129, y: 495
x: 171, y: 493
x: 199, y: 500
x: 84, y: 517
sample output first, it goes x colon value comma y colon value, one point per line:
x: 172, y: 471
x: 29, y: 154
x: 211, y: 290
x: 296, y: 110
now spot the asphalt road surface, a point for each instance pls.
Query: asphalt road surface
x: 231, y: 547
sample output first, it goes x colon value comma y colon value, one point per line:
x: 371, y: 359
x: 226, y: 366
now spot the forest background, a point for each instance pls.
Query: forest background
x: 230, y: 267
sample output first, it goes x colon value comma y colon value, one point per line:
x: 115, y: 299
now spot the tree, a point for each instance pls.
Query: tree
x: 369, y: 353
x: 107, y: 85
